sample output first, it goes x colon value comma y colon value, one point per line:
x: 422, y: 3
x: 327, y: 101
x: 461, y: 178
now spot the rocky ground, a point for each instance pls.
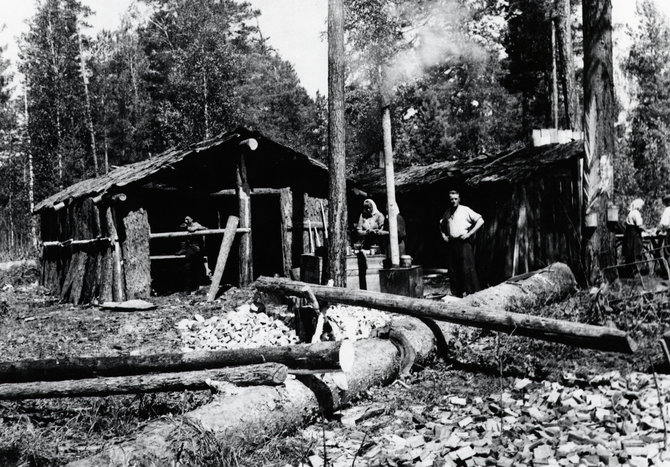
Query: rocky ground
x: 492, y: 400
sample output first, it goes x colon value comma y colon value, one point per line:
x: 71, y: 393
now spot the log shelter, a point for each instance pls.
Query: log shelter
x: 115, y: 237
x: 530, y: 198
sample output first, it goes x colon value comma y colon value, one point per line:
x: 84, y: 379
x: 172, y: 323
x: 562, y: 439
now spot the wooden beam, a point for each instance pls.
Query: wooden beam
x: 197, y: 233
x: 254, y: 192
x: 483, y: 316
x: 226, y: 244
x: 70, y: 242
x: 272, y: 374
x: 322, y: 355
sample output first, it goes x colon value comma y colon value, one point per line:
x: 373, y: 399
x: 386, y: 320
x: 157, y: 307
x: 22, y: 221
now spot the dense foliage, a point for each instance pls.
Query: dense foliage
x: 463, y: 78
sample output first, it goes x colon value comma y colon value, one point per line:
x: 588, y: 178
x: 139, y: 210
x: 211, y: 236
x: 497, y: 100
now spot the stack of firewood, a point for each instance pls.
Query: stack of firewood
x: 241, y: 328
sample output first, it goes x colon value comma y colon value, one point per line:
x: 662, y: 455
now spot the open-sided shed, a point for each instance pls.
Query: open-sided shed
x: 530, y: 199
x: 106, y: 238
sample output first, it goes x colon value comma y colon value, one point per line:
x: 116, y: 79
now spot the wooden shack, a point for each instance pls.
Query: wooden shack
x: 115, y: 237
x: 530, y: 200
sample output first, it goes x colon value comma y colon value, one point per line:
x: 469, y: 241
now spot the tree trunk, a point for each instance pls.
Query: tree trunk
x: 337, y: 214
x: 566, y: 63
x: 599, y: 141
x: 56, y: 72
x: 554, y: 77
x: 322, y: 356
x: 480, y: 315
x: 31, y: 171
x: 87, y: 102
x: 271, y: 374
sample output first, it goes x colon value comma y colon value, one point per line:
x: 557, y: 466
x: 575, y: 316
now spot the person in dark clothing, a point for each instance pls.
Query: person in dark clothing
x: 457, y: 226
x: 633, y: 248
x: 192, y: 247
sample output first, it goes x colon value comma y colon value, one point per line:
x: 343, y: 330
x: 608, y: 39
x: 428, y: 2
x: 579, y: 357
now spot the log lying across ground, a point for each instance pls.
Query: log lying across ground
x: 318, y: 356
x: 469, y: 312
x: 239, y: 413
x: 266, y: 411
x: 271, y: 374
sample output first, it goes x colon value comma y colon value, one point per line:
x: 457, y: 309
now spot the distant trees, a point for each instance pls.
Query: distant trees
x: 647, y: 151
x: 449, y: 71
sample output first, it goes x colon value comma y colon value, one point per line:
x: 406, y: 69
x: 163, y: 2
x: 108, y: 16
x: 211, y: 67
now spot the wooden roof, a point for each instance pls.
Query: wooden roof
x: 510, y: 167
x: 139, y: 172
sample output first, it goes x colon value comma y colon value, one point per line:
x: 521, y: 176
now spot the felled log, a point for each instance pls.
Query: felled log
x: 322, y: 355
x: 480, y: 314
x: 247, y: 412
x: 266, y: 411
x: 271, y: 374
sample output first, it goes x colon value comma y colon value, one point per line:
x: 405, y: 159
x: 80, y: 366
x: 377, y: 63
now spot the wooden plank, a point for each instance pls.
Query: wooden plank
x: 135, y: 250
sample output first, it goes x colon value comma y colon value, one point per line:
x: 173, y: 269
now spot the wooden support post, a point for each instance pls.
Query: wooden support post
x: 272, y: 374
x: 297, y: 232
x: 286, y: 209
x: 483, y: 316
x: 226, y: 244
x: 322, y: 355
x: 118, y: 289
x: 244, y: 200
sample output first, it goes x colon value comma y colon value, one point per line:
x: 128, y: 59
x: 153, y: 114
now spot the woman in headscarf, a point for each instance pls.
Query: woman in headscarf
x: 632, y: 239
x: 370, y: 224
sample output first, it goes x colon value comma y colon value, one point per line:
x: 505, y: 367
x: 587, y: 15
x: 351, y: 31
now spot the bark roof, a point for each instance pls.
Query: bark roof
x: 511, y: 167
x: 141, y: 172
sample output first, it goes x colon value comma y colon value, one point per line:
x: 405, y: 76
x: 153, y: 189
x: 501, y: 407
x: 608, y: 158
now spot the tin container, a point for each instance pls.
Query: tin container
x: 405, y: 261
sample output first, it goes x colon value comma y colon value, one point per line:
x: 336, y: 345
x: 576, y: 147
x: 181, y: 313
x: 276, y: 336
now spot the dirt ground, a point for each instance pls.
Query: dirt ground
x: 479, y: 367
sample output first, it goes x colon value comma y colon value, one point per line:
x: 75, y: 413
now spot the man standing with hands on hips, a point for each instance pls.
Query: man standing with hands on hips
x: 458, y: 224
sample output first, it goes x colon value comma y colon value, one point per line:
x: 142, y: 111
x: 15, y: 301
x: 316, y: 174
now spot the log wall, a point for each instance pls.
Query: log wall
x: 528, y: 225
x: 85, y: 273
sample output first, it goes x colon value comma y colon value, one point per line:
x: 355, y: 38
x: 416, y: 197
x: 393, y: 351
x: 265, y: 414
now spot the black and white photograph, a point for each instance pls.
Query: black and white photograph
x: 334, y: 233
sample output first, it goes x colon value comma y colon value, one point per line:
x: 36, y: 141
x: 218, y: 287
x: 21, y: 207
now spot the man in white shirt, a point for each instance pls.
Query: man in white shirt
x: 458, y: 224
x: 664, y: 226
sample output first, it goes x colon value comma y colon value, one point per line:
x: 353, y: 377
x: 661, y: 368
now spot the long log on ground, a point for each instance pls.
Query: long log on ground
x: 266, y: 411
x: 247, y: 411
x: 321, y: 355
x: 271, y: 374
x: 480, y: 314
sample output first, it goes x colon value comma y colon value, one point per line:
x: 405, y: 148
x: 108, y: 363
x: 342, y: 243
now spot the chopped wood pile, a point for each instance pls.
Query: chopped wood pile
x: 241, y: 328
x: 247, y: 327
x: 608, y: 420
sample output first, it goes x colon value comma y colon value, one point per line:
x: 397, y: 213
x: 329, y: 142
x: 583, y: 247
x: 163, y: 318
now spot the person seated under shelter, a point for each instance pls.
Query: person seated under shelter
x: 193, y: 249
x: 370, y: 225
